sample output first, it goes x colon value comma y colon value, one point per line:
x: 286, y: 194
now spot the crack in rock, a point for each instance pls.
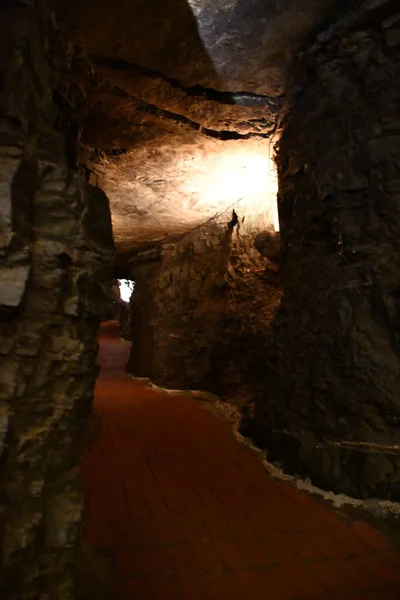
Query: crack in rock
x: 162, y: 113
x: 240, y: 98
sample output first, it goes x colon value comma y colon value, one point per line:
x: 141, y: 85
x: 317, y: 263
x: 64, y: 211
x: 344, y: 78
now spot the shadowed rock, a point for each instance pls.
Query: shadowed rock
x: 268, y: 244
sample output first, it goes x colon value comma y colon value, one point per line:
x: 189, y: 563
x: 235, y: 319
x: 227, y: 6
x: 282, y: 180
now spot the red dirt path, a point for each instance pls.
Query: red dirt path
x: 192, y: 515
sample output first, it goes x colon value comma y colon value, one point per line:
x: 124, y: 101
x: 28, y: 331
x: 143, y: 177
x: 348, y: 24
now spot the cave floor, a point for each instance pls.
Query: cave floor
x: 189, y: 513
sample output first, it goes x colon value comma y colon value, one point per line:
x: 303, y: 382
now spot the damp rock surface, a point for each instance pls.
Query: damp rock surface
x: 186, y: 95
x: 331, y: 407
x: 53, y: 292
x: 202, y: 310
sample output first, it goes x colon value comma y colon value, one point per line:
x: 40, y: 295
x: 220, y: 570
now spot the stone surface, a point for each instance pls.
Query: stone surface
x: 237, y: 46
x: 331, y: 407
x: 13, y: 283
x: 169, y: 186
x: 184, y: 99
x: 178, y: 137
x: 56, y: 252
x: 268, y: 244
x: 199, y: 304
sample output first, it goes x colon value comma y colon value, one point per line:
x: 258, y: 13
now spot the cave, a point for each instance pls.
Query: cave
x: 199, y: 299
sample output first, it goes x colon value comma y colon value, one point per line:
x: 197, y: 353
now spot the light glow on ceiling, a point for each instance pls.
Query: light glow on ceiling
x: 199, y: 182
x: 244, y: 176
x: 238, y: 175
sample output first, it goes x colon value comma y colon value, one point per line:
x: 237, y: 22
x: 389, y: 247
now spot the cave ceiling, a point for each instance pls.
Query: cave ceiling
x: 184, y: 101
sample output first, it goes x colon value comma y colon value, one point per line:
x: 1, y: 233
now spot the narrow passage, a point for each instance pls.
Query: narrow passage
x: 190, y: 514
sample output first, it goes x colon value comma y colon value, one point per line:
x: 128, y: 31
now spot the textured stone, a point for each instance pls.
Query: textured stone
x: 234, y: 46
x: 269, y: 245
x: 161, y: 121
x: 172, y: 119
x: 10, y: 159
x: 196, y: 308
x: 13, y: 284
x: 335, y: 375
x: 48, y: 359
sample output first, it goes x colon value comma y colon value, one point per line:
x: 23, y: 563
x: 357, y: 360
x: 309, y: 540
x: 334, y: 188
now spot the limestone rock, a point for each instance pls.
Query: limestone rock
x: 51, y: 228
x: 335, y: 373
x: 194, y: 310
x: 173, y: 120
x: 269, y: 245
x: 13, y: 282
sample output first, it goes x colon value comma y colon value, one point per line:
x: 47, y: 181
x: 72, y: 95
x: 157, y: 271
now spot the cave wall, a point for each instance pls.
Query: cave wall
x: 56, y: 247
x: 331, y: 409
x: 191, y: 300
x: 253, y: 294
x: 193, y: 310
x: 143, y: 314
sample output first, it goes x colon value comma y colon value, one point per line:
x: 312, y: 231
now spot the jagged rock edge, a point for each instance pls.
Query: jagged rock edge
x: 210, y: 94
x: 208, y: 401
x: 156, y: 111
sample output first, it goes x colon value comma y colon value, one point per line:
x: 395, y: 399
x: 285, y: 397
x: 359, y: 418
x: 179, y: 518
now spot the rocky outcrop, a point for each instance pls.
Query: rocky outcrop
x: 268, y: 244
x: 331, y: 408
x: 243, y: 46
x: 253, y: 296
x: 56, y: 248
x: 206, y: 297
x: 175, y: 120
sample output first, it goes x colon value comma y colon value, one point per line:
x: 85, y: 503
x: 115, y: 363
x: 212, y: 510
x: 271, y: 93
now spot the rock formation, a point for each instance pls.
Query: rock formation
x: 57, y: 249
x: 175, y: 115
x: 198, y: 304
x: 332, y: 408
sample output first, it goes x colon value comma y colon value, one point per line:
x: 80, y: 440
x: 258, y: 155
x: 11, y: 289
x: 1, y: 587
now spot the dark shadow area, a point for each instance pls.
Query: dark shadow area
x: 156, y: 35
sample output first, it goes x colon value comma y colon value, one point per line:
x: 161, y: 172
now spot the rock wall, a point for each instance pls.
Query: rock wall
x: 253, y: 297
x: 143, y: 309
x: 331, y: 409
x: 56, y: 248
x: 194, y: 309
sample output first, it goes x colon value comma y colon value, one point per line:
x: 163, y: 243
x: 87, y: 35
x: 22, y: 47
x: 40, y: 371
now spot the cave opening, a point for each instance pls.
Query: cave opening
x: 209, y: 213
x: 126, y: 289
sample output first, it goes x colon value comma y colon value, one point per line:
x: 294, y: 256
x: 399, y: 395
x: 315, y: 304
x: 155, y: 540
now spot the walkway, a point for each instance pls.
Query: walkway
x: 192, y: 515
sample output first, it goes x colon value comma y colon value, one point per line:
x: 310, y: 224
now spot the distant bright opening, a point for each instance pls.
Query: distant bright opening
x: 126, y: 287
